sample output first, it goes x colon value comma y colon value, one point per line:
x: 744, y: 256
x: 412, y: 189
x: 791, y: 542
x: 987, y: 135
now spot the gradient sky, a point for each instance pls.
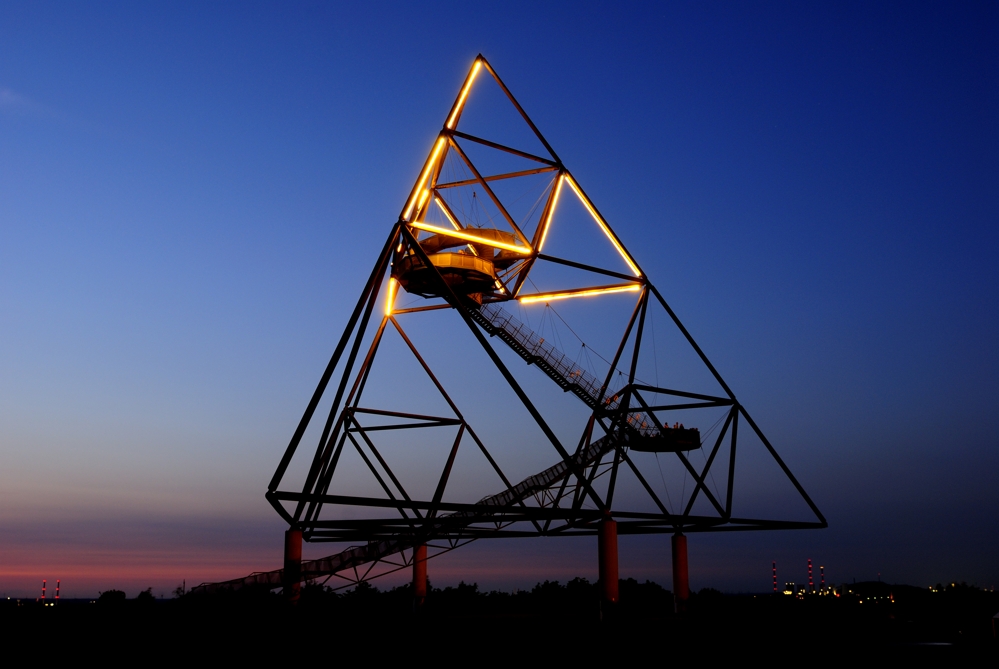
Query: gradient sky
x: 191, y: 196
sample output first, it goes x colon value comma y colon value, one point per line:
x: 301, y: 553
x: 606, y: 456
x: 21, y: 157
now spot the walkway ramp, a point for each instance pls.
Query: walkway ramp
x: 374, y: 551
x: 564, y: 371
x: 535, y: 351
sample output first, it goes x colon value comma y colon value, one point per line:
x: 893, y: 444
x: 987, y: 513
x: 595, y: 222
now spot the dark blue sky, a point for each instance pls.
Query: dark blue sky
x: 191, y: 195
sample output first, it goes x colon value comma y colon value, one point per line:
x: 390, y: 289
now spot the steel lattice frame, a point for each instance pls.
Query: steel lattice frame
x: 555, y: 504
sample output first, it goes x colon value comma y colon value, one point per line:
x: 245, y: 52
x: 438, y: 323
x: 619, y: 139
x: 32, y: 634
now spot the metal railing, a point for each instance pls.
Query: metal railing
x: 563, y: 370
x: 523, y: 339
x: 374, y: 551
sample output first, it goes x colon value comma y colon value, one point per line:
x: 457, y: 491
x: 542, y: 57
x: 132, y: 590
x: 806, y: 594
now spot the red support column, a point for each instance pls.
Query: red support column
x: 681, y: 583
x: 419, y: 576
x: 607, y: 555
x: 292, y: 576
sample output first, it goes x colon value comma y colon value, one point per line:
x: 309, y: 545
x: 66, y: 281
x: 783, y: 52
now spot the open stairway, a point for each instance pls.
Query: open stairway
x: 534, y: 350
x: 564, y: 371
x: 373, y: 551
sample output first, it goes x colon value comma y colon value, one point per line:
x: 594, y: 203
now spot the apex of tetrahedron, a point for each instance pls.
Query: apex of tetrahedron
x: 484, y: 204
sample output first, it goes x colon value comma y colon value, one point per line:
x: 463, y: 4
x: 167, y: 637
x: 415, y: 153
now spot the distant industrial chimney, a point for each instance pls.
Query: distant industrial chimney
x: 822, y: 577
x: 43, y: 591
x: 775, y: 576
x: 57, y: 591
x: 811, y: 586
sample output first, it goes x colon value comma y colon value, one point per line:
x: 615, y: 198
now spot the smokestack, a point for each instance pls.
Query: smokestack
x: 57, y: 591
x: 775, y: 576
x: 811, y: 586
x: 822, y: 576
x: 43, y: 591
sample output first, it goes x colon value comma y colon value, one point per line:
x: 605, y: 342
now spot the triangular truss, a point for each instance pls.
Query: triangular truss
x: 453, y: 199
x: 470, y: 237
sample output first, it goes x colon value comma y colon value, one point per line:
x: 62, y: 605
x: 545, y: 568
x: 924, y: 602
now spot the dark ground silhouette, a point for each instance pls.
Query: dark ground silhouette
x: 548, y: 622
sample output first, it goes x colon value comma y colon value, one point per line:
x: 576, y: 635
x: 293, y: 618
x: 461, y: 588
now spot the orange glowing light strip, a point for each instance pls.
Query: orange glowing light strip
x: 455, y: 223
x: 586, y: 292
x: 461, y: 234
x: 603, y: 226
x: 393, y: 286
x: 447, y: 214
x: 551, y: 212
x: 419, y: 192
x: 464, y: 92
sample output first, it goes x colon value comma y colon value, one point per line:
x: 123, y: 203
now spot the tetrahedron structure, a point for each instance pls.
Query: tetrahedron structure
x: 499, y: 253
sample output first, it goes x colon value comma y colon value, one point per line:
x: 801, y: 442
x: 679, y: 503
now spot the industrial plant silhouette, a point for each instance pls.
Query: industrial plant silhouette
x: 495, y: 232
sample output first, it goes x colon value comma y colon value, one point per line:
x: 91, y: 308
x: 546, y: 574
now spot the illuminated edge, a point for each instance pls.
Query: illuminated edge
x: 447, y: 214
x: 582, y: 292
x: 419, y: 193
x: 464, y: 92
x: 551, y: 212
x: 457, y: 226
x: 393, y: 287
x: 603, y: 225
x: 419, y: 225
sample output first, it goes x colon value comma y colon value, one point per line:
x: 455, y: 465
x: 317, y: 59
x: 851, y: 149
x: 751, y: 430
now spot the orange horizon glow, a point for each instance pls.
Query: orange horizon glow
x: 91, y: 571
x: 583, y: 292
x: 84, y: 566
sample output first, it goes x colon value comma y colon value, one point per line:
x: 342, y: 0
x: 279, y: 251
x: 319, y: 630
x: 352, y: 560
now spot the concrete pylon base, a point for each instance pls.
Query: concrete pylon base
x: 419, y: 577
x: 292, y: 576
x: 681, y: 583
x: 607, y: 555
